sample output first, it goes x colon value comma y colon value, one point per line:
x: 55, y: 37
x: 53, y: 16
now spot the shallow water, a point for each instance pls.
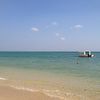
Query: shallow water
x: 55, y: 73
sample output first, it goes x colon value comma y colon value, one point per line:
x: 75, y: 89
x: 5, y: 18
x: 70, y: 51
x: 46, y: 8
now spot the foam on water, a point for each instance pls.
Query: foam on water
x: 1, y: 78
x: 52, y: 93
x: 23, y: 88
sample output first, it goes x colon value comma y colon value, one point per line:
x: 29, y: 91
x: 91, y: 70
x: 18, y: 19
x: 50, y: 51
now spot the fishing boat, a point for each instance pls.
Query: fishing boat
x: 86, y: 53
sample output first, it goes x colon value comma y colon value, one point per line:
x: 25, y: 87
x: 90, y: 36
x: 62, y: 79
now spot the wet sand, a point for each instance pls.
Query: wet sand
x: 8, y: 93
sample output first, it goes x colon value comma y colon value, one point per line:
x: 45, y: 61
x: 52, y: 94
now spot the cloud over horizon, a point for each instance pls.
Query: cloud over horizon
x: 34, y: 29
x: 54, y: 23
x: 62, y: 38
x: 77, y: 26
x: 59, y: 35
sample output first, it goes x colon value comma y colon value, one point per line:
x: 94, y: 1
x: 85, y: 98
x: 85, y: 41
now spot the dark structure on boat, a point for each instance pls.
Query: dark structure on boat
x: 86, y: 54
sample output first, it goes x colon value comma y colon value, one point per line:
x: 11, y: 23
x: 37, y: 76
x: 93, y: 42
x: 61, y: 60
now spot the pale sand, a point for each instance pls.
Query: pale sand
x: 8, y: 93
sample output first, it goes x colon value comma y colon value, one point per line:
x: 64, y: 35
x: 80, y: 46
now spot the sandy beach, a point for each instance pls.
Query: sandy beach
x: 8, y: 93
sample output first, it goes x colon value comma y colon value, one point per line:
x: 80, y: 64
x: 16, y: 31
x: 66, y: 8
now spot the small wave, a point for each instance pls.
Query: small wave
x: 1, y: 78
x: 23, y: 88
x: 46, y: 92
x: 63, y: 95
x: 51, y: 93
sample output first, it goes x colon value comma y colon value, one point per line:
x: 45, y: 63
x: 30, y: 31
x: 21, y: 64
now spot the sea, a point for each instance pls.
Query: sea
x: 57, y: 74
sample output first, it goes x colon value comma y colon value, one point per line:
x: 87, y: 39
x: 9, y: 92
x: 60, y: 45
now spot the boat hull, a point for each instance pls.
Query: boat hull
x: 86, y: 55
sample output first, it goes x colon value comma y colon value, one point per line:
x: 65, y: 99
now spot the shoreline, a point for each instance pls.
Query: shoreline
x: 10, y: 93
x: 14, y: 93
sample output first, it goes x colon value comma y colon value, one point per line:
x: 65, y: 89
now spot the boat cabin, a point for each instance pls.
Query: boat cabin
x: 86, y: 54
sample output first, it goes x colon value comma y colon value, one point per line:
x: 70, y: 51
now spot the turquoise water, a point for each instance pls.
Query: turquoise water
x: 62, y: 68
x: 53, y: 62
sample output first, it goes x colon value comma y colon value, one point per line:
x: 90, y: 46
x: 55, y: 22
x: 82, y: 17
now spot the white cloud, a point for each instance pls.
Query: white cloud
x: 57, y: 34
x: 47, y: 26
x: 34, y: 29
x: 62, y: 38
x: 78, y: 26
x: 54, y: 23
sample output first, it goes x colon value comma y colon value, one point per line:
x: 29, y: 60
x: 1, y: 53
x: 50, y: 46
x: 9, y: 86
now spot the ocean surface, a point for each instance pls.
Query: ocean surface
x: 58, y: 74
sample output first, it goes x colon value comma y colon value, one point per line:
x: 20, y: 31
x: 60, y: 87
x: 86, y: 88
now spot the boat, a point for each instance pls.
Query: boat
x: 86, y: 53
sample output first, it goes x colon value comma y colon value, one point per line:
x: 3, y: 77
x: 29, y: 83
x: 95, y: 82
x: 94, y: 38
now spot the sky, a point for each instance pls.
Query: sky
x: 49, y: 25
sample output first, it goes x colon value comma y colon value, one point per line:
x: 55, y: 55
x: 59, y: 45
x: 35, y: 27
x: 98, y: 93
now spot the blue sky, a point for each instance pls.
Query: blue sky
x: 35, y: 25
